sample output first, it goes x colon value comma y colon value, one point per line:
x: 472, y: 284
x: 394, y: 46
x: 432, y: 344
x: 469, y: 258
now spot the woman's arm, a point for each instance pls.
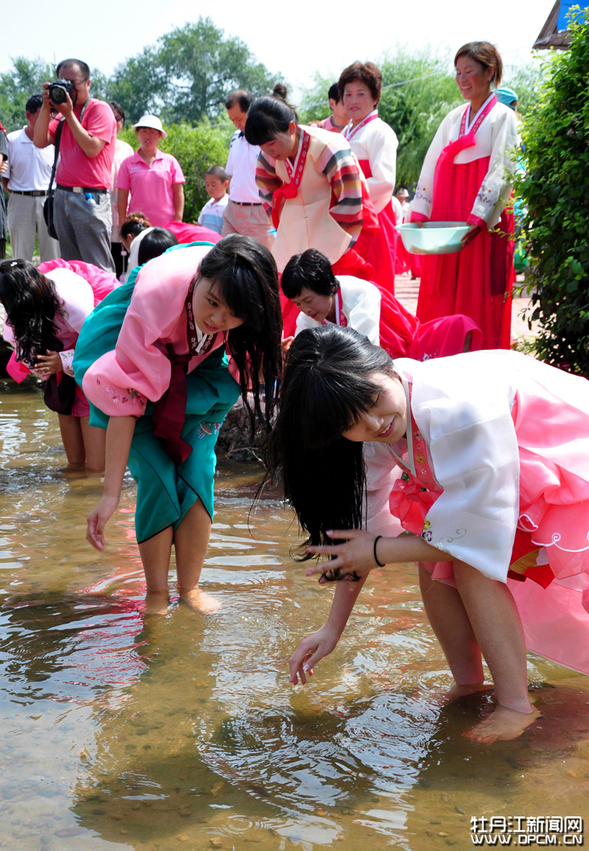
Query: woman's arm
x: 357, y: 554
x: 381, y: 144
x: 178, y: 190
x: 363, y: 310
x: 122, y: 204
x: 312, y: 649
x: 495, y: 189
x: 341, y: 168
x: 119, y: 435
x: 421, y: 205
x: 267, y: 181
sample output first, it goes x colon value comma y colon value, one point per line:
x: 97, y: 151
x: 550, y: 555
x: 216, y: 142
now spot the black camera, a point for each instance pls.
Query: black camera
x: 60, y: 89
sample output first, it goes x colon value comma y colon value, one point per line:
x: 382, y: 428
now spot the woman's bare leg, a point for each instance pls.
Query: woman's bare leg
x: 94, y: 445
x: 155, y: 556
x: 450, y: 623
x: 497, y: 626
x: 191, y: 540
x: 73, y: 441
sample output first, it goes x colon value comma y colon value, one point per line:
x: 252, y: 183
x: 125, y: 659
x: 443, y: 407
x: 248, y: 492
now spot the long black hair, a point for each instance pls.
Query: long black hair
x: 328, y: 384
x: 267, y: 117
x: 310, y: 270
x: 31, y: 304
x: 245, y: 274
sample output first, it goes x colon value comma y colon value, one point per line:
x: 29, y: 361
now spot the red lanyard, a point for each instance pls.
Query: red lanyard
x: 296, y: 175
x: 340, y: 316
x: 191, y: 327
x: 491, y: 103
x: 350, y: 132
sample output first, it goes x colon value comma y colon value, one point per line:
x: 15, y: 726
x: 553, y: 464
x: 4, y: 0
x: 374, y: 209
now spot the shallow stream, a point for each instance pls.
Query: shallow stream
x: 120, y: 731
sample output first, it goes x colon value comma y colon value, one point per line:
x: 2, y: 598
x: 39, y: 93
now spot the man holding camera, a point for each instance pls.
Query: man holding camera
x: 87, y: 146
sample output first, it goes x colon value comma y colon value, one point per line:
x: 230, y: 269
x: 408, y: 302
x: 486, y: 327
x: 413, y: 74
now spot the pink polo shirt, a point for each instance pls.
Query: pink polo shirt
x: 150, y: 186
x: 74, y: 167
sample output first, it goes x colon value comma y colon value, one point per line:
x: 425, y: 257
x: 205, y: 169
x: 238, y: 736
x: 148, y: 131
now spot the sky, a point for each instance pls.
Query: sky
x: 297, y: 40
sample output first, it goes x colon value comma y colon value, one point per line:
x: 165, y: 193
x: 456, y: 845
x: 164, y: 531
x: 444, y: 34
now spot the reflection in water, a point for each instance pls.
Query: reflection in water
x: 121, y: 731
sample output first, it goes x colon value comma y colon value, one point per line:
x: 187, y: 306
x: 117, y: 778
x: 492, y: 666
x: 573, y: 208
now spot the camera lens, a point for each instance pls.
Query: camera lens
x: 57, y: 94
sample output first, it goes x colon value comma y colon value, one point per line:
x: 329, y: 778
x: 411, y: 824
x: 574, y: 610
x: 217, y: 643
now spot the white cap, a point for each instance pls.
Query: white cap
x: 150, y: 121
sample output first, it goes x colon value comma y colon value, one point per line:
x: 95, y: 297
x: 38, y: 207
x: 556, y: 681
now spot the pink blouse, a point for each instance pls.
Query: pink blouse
x: 121, y: 381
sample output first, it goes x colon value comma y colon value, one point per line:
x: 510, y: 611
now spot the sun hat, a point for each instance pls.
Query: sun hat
x: 150, y: 121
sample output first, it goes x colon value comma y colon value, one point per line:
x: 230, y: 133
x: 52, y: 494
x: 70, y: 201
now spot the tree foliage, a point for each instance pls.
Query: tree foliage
x: 419, y: 89
x: 25, y: 78
x: 555, y: 190
x: 189, y: 74
x: 413, y: 109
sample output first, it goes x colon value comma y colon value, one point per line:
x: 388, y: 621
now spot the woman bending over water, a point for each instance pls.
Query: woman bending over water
x: 152, y: 361
x: 497, y: 508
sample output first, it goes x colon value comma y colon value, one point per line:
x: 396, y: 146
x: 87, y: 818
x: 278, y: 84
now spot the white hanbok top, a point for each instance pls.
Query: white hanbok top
x: 360, y: 304
x: 497, y: 138
x: 462, y: 405
x: 377, y: 142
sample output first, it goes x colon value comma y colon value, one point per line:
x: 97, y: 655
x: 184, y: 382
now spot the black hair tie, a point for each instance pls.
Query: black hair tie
x: 376, y: 540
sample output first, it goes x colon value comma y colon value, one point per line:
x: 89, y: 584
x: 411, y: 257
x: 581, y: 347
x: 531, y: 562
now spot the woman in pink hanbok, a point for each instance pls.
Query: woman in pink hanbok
x: 45, y: 310
x: 494, y: 452
x: 375, y: 145
x: 466, y: 176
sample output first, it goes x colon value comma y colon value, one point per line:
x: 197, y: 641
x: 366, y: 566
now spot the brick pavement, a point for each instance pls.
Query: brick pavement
x: 407, y: 291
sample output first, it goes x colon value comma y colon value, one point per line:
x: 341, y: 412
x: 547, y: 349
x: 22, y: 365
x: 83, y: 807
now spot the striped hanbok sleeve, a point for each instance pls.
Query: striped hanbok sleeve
x: 267, y: 180
x: 340, y: 166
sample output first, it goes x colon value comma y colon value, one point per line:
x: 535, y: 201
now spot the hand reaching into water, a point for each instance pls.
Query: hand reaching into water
x: 97, y: 520
x: 310, y: 651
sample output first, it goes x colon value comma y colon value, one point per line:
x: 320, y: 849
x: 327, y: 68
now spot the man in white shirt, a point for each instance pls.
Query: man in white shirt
x: 27, y: 180
x: 244, y: 213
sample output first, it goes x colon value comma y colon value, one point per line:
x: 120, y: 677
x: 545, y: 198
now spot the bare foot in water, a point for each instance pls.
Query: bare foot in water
x: 198, y: 601
x: 156, y: 603
x: 73, y: 471
x: 502, y: 725
x: 457, y: 691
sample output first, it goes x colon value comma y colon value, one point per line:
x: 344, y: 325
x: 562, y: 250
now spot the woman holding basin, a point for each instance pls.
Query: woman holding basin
x: 466, y: 177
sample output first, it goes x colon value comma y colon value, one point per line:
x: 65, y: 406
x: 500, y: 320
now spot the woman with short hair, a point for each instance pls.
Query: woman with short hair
x: 466, y: 177
x: 375, y: 144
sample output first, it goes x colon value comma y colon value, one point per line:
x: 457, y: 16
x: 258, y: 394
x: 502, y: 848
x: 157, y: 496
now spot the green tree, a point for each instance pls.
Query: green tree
x: 188, y: 75
x: 555, y: 190
x: 418, y: 91
x: 25, y: 78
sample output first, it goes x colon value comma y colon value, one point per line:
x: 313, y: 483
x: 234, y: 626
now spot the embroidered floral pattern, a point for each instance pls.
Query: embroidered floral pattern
x: 206, y: 429
x: 486, y: 196
x: 123, y: 396
x: 422, y: 195
x: 67, y: 358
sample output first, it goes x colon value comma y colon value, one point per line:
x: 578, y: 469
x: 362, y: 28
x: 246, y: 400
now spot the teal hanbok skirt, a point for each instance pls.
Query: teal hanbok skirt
x: 165, y: 491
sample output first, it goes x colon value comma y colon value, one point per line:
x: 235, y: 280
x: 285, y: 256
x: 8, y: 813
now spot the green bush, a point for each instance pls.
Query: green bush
x: 555, y: 190
x: 195, y: 148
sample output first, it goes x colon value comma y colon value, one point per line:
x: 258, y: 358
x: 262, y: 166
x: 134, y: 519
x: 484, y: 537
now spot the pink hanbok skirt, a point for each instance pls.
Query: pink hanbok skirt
x: 549, y: 570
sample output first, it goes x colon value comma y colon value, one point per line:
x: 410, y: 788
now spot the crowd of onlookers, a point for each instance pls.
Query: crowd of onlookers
x: 69, y: 156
